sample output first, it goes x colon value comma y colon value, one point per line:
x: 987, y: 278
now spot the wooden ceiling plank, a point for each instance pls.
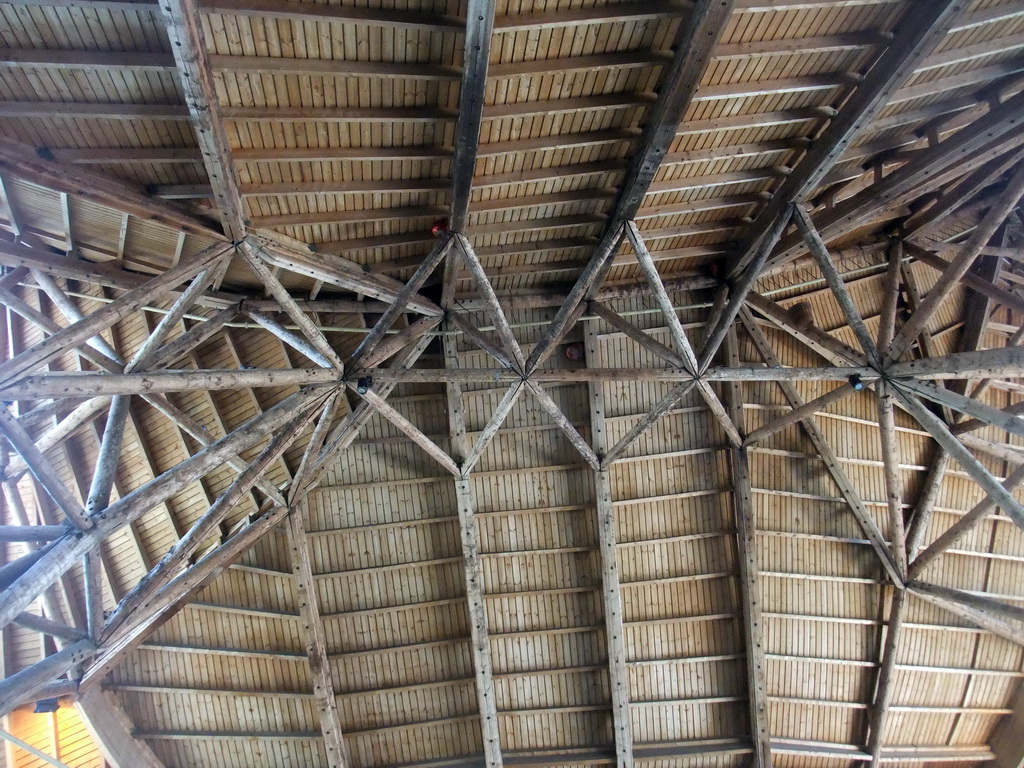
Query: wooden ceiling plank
x: 663, y: 406
x: 828, y: 456
x: 611, y: 592
x: 959, y: 266
x: 476, y: 58
x: 184, y: 28
x: 835, y: 283
x: 396, y: 18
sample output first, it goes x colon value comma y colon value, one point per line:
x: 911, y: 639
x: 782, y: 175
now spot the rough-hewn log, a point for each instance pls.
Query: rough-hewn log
x: 184, y: 28
x: 883, y: 684
x: 22, y: 686
x: 893, y: 477
x: 112, y: 731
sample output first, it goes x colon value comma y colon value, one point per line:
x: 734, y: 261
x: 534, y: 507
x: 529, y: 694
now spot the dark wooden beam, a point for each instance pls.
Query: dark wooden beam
x: 916, y: 37
x: 477, y: 51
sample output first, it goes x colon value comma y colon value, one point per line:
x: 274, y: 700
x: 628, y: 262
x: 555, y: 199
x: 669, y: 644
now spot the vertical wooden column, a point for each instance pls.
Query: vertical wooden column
x: 315, y: 640
x: 750, y: 590
x: 473, y: 567
x: 615, y: 631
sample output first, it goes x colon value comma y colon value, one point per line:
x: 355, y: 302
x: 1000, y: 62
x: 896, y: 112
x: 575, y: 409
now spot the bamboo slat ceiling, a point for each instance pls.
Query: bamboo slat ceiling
x: 468, y: 384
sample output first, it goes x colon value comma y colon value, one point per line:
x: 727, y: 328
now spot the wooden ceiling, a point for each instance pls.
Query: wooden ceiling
x: 465, y: 384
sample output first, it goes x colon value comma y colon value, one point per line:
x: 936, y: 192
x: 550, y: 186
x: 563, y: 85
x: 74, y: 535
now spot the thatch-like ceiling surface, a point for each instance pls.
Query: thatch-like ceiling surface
x: 464, y: 384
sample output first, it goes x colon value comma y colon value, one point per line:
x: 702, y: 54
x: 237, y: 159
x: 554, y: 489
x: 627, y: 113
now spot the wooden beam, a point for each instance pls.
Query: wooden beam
x: 68, y: 550
x: 893, y: 477
x: 1003, y: 499
x: 1001, y: 419
x: 411, y: 430
x: 315, y: 640
x: 958, y: 530
x: 111, y: 729
x: 550, y: 407
x: 476, y: 56
x: 490, y: 430
x: 748, y: 565
x: 979, y: 618
x: 693, y: 44
x: 890, y: 70
x: 184, y: 28
x: 958, y: 268
x: 611, y: 593
x: 908, y: 179
x: 23, y: 162
x: 398, y: 306
x: 826, y: 345
x: 980, y: 602
x: 1006, y: 744
x: 22, y: 686
x: 280, y: 293
x: 835, y: 282
x: 884, y: 681
x: 1003, y: 362
x: 138, y: 600
x: 472, y: 564
x: 644, y: 339
x: 131, y: 302
x: 828, y: 456
x: 794, y: 415
x: 41, y: 469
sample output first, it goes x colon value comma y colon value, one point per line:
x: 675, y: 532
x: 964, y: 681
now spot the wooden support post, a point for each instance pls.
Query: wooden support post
x: 615, y: 630
x: 824, y: 450
x: 316, y: 641
x: 958, y: 268
x: 108, y: 457
x: 883, y: 683
x: 893, y: 476
x: 184, y: 28
x: 890, y: 296
x: 469, y: 533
